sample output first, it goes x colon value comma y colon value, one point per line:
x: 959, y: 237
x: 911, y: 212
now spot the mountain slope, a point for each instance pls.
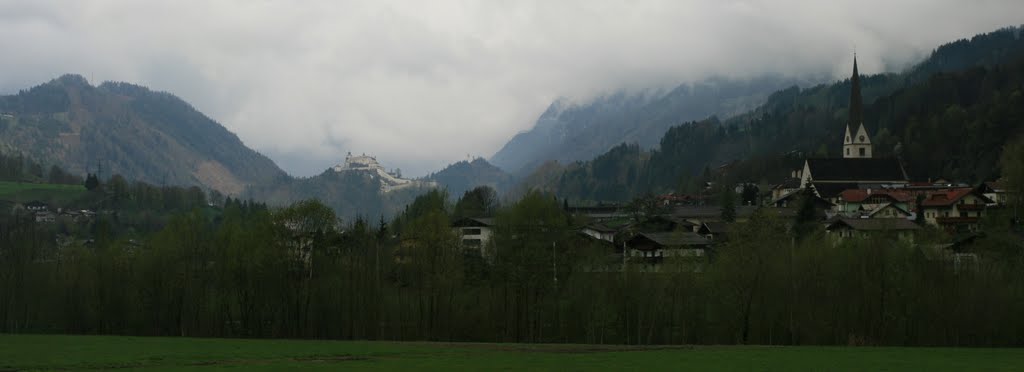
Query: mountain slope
x: 568, y: 132
x: 120, y: 128
x: 351, y: 193
x: 945, y: 119
x: 465, y: 175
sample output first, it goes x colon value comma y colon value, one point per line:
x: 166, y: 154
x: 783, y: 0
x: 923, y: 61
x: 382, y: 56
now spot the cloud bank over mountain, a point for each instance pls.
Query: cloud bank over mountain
x: 424, y: 83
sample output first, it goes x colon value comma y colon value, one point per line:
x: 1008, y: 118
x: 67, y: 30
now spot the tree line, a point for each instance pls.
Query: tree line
x: 299, y: 272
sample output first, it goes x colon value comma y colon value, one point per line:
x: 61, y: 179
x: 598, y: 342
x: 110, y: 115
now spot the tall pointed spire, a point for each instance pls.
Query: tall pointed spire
x: 856, y: 105
x: 857, y: 142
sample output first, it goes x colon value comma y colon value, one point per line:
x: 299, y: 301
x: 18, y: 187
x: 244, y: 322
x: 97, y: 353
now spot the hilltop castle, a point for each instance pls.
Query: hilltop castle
x: 389, y: 181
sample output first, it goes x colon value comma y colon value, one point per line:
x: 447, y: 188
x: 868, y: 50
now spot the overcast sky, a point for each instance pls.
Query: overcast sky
x: 421, y: 84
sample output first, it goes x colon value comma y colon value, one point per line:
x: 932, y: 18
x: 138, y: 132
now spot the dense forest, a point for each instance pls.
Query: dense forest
x: 18, y: 168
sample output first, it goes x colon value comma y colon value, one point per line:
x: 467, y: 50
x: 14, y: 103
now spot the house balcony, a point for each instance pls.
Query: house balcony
x: 971, y: 207
x: 956, y: 220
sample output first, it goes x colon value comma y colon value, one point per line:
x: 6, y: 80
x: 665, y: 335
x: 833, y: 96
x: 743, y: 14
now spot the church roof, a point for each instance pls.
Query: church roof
x: 860, y: 195
x: 855, y: 170
x: 830, y: 190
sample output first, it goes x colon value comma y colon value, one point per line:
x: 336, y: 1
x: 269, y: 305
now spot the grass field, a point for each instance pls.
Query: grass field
x: 39, y: 352
x: 25, y: 192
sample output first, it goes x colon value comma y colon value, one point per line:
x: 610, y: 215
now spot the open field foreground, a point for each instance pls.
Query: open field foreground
x: 43, y: 352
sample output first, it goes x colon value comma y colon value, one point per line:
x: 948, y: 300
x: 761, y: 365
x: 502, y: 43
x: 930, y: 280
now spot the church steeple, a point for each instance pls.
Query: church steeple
x: 856, y: 105
x: 857, y: 143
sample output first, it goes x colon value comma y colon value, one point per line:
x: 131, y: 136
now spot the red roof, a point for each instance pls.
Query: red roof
x: 946, y: 197
x: 858, y: 195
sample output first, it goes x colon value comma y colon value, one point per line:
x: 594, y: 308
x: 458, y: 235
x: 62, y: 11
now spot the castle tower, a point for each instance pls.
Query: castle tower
x: 856, y: 141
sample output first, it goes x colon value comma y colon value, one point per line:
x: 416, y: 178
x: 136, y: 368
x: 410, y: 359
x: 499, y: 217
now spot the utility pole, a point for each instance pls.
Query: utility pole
x: 554, y: 267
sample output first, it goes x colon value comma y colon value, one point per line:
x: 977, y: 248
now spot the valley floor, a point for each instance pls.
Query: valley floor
x: 58, y: 352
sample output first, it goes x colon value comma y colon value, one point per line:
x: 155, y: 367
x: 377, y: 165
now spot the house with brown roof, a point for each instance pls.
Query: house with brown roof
x: 474, y: 233
x: 955, y: 209
x: 875, y: 203
x: 996, y: 191
x: 716, y: 231
x: 654, y: 248
x: 845, y: 228
x: 600, y: 231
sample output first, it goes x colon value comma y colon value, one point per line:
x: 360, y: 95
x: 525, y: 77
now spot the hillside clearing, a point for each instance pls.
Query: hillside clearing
x: 24, y: 192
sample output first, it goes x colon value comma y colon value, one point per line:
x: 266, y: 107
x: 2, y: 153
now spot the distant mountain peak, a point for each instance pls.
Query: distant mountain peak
x: 71, y: 80
x: 141, y: 134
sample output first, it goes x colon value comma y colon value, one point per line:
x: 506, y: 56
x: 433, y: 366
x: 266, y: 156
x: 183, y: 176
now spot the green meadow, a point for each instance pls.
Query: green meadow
x: 61, y: 353
x: 23, y: 192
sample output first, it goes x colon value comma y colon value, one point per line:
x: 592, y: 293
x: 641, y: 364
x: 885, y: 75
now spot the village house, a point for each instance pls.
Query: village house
x: 792, y: 200
x: 955, y: 209
x: 474, y: 233
x: 664, y: 223
x: 880, y: 203
x: 599, y: 231
x: 996, y: 191
x: 673, y: 200
x: 715, y: 231
x: 654, y: 248
x: 844, y: 228
x: 599, y: 212
x: 36, y: 206
x: 787, y: 187
x: 697, y: 215
x: 45, y: 216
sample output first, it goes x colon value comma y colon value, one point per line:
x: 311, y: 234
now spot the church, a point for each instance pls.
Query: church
x: 858, y: 168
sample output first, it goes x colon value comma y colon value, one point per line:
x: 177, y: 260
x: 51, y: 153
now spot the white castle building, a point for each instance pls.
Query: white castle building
x: 389, y: 181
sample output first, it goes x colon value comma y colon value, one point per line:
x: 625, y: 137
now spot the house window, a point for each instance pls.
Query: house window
x: 964, y: 214
x: 847, y: 140
x: 472, y: 242
x: 861, y: 138
x: 470, y: 231
x: 861, y: 151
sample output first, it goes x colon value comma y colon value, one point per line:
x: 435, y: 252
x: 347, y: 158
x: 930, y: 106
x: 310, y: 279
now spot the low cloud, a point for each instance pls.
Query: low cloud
x: 422, y: 84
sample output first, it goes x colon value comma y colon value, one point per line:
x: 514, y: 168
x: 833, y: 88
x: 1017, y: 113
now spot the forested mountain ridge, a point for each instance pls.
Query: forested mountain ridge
x: 465, y: 175
x: 129, y: 130
x: 569, y: 131
x: 350, y: 194
x: 947, y: 117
